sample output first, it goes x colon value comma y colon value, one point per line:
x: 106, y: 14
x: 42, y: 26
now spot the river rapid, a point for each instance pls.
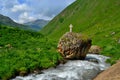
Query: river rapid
x: 72, y: 70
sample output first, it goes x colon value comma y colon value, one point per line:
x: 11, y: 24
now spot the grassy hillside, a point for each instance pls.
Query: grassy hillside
x: 100, y: 19
x: 23, y: 52
x: 4, y: 20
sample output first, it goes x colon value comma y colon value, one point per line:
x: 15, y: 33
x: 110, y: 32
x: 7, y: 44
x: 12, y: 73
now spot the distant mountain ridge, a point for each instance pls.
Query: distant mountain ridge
x: 37, y: 24
x: 4, y: 20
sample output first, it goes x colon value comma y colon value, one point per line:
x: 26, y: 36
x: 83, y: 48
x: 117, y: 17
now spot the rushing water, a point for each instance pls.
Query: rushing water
x: 72, y: 70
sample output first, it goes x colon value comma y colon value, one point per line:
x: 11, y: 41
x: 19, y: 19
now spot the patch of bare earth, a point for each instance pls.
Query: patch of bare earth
x: 113, y: 73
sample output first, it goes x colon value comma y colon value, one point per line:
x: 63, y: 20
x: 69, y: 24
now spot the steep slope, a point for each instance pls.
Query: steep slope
x: 37, y: 24
x: 4, y: 20
x: 99, y: 19
x: 23, y: 52
x: 85, y: 14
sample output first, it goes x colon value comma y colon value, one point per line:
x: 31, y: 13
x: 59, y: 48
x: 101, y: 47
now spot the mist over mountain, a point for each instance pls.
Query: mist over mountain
x: 6, y: 21
x: 33, y: 25
x: 37, y: 24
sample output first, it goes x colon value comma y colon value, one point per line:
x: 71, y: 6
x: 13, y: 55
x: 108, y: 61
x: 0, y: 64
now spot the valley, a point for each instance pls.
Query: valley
x: 31, y: 48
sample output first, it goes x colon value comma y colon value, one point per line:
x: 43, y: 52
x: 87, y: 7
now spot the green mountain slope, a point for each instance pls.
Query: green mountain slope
x: 23, y: 52
x: 4, y: 20
x: 99, y: 19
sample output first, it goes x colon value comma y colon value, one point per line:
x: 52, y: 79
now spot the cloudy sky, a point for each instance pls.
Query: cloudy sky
x: 23, y: 11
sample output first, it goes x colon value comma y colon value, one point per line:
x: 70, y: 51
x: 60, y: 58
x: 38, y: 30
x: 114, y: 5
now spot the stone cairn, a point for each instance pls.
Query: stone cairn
x: 73, y: 45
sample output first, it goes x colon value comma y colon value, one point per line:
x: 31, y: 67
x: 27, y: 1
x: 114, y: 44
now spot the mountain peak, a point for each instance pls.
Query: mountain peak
x: 5, y: 20
x: 37, y: 24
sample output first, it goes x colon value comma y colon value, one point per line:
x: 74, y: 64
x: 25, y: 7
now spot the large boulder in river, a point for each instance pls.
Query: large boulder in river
x: 74, y: 45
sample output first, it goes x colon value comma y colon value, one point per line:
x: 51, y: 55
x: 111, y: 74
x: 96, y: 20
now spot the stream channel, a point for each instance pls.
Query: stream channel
x: 72, y: 70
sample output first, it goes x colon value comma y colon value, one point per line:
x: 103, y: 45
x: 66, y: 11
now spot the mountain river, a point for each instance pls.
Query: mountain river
x: 72, y: 70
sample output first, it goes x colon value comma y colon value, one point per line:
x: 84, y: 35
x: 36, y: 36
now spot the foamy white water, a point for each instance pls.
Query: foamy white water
x: 72, y: 70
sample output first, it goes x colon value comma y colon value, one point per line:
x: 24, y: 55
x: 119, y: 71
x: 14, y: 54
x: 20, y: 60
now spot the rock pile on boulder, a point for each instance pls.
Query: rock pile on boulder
x: 74, y: 45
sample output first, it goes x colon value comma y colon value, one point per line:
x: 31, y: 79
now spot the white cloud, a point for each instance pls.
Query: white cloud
x: 25, y: 17
x: 6, y: 6
x: 42, y: 16
x: 20, y: 7
x: 30, y: 10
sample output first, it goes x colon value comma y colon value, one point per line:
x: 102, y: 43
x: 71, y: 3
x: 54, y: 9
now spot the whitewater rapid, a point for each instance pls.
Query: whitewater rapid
x: 72, y: 70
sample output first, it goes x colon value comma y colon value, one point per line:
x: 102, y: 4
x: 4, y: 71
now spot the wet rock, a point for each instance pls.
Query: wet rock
x: 61, y: 61
x: 37, y: 71
x: 23, y: 73
x: 94, y: 49
x: 74, y: 45
x: 90, y: 59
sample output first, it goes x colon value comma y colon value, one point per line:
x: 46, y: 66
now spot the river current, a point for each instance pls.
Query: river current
x: 72, y: 70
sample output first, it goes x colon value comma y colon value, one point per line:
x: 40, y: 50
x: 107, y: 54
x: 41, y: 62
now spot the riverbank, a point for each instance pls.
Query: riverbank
x: 23, y: 52
x: 72, y: 70
x: 112, y: 73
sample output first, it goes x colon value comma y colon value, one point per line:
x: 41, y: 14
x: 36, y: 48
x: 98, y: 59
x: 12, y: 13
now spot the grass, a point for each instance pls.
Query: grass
x: 98, y: 19
x: 22, y: 52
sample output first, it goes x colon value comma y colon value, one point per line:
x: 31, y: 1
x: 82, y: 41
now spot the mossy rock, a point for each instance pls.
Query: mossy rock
x: 74, y: 45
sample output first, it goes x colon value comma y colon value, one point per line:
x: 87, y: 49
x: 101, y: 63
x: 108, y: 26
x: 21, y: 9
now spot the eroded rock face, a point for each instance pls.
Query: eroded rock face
x: 74, y: 45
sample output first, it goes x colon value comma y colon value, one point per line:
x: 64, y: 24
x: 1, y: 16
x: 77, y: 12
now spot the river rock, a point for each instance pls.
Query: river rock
x: 94, y: 49
x: 74, y: 45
